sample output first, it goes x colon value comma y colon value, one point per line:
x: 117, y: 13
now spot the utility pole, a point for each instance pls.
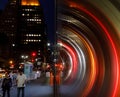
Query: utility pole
x: 55, y: 86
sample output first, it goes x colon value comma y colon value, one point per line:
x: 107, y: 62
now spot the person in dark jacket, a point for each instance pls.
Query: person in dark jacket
x: 6, y: 85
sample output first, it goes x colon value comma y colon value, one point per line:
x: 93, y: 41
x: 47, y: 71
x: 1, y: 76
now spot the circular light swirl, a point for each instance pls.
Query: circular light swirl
x: 78, y: 63
x: 90, y: 52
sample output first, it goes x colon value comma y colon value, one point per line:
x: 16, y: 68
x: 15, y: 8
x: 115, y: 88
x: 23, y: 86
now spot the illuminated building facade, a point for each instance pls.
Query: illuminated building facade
x: 31, y: 28
x: 23, y: 24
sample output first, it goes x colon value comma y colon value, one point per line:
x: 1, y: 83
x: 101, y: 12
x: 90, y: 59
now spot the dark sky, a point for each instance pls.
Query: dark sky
x: 49, y: 13
x: 3, y: 3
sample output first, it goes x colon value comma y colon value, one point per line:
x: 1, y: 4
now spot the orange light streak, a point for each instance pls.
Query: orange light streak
x: 93, y: 65
x: 116, y: 67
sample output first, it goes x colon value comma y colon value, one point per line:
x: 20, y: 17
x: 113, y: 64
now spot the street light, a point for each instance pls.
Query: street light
x: 24, y: 57
x: 11, y: 62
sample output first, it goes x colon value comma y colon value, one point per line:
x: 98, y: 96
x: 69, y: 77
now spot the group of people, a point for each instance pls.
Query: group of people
x: 20, y: 82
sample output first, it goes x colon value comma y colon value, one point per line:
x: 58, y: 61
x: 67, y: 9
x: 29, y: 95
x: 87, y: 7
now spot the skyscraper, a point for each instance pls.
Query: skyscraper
x: 8, y: 29
x: 22, y: 23
x: 31, y: 28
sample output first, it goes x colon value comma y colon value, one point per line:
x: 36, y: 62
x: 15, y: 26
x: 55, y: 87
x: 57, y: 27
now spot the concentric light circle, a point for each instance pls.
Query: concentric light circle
x: 88, y: 50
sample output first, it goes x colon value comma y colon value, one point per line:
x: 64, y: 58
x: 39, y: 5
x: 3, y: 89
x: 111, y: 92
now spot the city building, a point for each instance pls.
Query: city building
x: 23, y: 27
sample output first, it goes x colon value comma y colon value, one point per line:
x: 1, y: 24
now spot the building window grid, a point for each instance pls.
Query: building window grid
x: 32, y: 40
x: 34, y: 20
x: 33, y: 35
x: 37, y: 19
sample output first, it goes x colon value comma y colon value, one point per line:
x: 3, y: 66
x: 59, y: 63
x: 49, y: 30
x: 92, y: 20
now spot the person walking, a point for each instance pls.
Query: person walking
x: 6, y: 85
x: 21, y: 80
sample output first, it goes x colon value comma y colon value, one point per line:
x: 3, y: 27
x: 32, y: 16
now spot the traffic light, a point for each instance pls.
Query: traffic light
x: 33, y: 54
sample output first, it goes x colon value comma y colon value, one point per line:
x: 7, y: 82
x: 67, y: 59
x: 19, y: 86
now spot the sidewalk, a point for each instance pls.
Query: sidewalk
x: 35, y: 88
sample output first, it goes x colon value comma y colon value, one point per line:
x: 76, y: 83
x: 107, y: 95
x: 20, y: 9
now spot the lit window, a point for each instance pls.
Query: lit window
x: 23, y: 14
x: 38, y: 22
x: 12, y: 26
x: 13, y: 44
x: 28, y: 20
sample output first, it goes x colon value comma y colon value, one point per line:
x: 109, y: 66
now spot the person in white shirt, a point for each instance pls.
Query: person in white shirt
x: 21, y: 80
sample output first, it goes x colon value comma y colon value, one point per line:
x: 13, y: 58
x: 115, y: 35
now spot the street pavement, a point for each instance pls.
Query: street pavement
x: 35, y: 88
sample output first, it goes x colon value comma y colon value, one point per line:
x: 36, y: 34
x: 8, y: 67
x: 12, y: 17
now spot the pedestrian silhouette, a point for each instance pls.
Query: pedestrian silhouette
x: 21, y: 80
x: 6, y: 85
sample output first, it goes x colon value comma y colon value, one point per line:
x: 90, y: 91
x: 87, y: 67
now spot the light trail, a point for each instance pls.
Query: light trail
x: 95, y: 48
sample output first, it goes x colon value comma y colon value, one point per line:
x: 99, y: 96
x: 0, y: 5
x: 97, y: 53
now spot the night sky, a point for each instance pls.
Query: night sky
x: 49, y: 13
x: 3, y: 3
